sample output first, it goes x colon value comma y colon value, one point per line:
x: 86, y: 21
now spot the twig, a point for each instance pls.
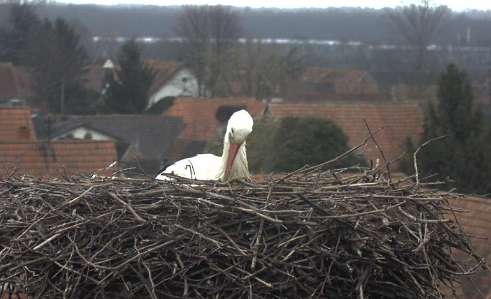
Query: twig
x: 415, y: 160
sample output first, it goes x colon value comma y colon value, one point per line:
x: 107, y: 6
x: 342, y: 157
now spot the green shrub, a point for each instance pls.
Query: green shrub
x: 301, y: 141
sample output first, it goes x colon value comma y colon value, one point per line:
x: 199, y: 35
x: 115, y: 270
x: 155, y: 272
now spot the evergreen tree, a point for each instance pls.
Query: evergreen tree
x: 14, y: 37
x: 128, y: 90
x: 58, y: 62
x: 464, y: 155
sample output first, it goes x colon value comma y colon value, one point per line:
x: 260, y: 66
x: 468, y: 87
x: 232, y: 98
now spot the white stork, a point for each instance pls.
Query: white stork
x: 231, y: 165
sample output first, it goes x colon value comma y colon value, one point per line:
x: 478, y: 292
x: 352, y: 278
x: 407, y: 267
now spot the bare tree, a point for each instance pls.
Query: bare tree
x: 269, y: 70
x: 208, y: 34
x: 418, y: 25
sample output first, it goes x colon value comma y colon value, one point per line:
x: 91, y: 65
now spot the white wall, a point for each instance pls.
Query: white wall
x: 183, y: 83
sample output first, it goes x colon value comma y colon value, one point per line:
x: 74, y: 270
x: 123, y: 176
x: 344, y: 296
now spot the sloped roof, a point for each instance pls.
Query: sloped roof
x: 56, y: 158
x: 185, y: 148
x: 199, y: 114
x: 16, y: 124
x: 164, y: 70
x: 476, y: 223
x: 20, y: 149
x: 149, y: 135
x: 15, y: 82
x: 398, y: 120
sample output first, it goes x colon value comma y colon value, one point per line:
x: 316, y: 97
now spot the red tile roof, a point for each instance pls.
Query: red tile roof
x: 16, y: 124
x: 199, y: 114
x: 56, y: 158
x: 15, y: 82
x: 20, y: 149
x: 343, y: 81
x: 397, y: 120
x: 476, y: 223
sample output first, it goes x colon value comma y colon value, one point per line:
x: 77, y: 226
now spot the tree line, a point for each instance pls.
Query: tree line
x: 55, y: 53
x: 344, y: 24
x: 57, y: 59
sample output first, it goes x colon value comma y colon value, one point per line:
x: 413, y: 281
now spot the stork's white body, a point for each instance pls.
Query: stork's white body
x: 199, y: 167
x: 231, y: 165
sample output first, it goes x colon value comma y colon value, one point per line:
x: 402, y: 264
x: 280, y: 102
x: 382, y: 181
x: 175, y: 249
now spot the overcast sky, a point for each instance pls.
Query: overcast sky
x: 454, y: 4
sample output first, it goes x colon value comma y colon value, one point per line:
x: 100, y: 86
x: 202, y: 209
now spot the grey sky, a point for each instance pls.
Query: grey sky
x: 454, y: 4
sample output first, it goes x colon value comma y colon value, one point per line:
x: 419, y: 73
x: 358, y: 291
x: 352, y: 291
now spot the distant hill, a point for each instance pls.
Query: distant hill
x: 344, y: 24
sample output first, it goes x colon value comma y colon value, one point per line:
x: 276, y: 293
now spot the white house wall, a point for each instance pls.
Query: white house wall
x: 183, y: 83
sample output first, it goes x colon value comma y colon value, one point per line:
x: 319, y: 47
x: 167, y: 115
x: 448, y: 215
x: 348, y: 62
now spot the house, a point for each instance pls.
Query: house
x: 171, y: 80
x: 319, y: 83
x: 15, y: 83
x: 476, y: 223
x: 142, y: 141
x: 398, y: 121
x: 22, y: 152
x: 204, y: 119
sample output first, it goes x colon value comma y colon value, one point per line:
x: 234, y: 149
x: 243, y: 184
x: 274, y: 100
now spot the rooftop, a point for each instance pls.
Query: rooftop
x: 200, y: 114
x: 56, y: 158
x: 150, y: 134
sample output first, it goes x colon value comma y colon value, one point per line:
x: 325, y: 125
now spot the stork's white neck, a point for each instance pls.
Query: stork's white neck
x: 239, y: 126
x: 240, y: 168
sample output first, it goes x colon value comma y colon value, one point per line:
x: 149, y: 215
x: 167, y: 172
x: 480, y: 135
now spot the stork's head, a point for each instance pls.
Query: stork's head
x: 238, y: 128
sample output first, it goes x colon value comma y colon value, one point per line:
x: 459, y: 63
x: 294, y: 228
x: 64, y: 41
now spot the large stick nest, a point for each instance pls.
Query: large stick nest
x: 314, y: 233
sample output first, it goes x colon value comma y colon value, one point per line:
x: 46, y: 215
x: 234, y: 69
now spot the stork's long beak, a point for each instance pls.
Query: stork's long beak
x: 232, y: 153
